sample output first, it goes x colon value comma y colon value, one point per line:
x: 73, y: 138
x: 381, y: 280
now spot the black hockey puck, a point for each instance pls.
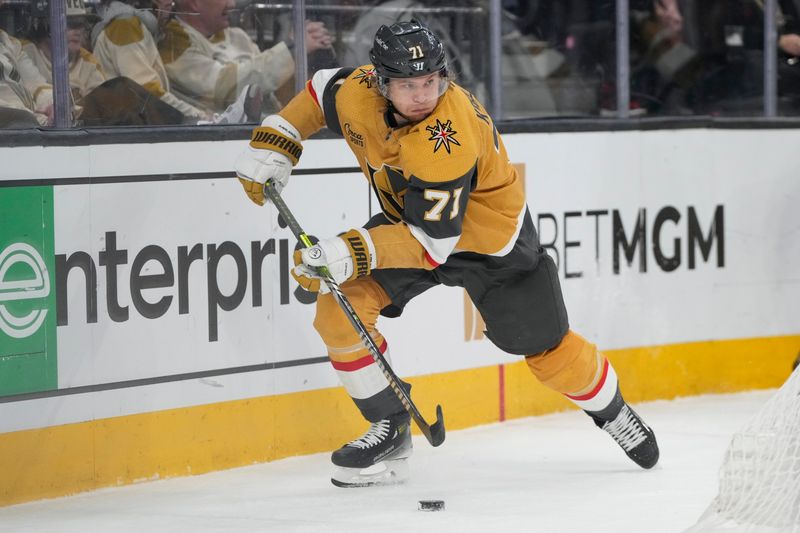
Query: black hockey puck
x: 431, y: 505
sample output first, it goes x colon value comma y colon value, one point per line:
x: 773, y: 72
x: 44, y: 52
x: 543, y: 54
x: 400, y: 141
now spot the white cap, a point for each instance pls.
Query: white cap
x: 76, y: 8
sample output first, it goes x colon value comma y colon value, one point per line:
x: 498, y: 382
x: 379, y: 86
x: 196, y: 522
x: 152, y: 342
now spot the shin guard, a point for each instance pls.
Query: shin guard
x: 357, y: 370
x: 578, y: 371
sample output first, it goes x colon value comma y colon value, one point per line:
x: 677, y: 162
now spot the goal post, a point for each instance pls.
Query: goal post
x: 759, y: 480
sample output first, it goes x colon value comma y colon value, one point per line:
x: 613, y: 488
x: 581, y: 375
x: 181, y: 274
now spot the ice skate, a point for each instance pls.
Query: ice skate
x: 379, y: 457
x: 634, y: 436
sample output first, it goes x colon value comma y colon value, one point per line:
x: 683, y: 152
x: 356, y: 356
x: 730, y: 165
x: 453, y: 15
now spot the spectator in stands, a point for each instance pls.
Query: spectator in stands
x: 665, y: 72
x: 789, y: 51
x: 664, y: 68
x: 212, y: 63
x: 125, y: 43
x: 582, y: 32
x: 26, y: 98
x: 85, y: 72
x: 732, y: 43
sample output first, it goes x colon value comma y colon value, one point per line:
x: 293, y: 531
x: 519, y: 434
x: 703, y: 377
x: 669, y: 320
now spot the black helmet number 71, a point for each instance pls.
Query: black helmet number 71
x: 407, y: 50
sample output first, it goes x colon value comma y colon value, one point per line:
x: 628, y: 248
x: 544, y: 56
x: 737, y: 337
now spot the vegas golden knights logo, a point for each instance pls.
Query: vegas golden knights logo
x: 390, y: 187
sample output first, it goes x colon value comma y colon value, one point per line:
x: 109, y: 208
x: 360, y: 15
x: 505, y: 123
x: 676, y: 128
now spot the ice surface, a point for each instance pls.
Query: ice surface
x: 550, y: 474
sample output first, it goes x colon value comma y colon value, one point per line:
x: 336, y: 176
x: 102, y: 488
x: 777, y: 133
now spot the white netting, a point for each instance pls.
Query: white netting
x: 759, y: 481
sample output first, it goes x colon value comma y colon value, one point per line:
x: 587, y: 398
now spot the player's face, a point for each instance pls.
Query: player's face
x: 415, y: 98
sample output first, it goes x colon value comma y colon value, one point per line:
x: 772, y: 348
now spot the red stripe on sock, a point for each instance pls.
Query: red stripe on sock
x: 352, y: 366
x: 595, y: 390
x: 358, y: 364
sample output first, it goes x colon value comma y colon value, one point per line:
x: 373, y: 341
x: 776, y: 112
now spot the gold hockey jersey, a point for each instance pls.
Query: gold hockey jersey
x: 445, y: 182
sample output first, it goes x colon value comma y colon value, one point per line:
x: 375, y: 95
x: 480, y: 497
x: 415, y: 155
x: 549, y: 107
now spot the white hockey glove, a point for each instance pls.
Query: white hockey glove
x: 274, y: 148
x: 348, y: 256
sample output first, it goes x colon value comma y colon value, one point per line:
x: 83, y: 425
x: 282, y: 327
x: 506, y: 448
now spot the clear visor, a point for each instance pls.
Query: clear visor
x: 420, y: 89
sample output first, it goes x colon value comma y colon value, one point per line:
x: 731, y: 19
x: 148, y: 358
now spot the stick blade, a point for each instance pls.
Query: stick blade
x: 436, y: 432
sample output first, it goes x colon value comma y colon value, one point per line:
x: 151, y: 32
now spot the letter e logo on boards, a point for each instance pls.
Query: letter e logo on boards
x: 31, y: 281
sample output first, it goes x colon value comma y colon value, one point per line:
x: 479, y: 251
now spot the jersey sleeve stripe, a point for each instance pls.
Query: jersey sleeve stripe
x: 319, y: 81
x: 311, y: 90
x: 436, y: 250
x: 505, y: 250
x: 430, y: 260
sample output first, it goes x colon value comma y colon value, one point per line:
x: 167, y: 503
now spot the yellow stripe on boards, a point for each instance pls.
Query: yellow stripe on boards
x: 72, y: 458
x: 670, y: 371
x: 67, y: 459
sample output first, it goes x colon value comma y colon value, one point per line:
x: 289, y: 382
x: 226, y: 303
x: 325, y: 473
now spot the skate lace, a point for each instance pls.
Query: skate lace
x: 376, y: 433
x: 626, y: 430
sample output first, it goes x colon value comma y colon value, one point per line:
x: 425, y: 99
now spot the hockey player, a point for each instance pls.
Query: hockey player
x: 453, y: 213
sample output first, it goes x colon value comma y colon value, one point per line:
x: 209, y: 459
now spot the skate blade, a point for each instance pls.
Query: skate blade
x: 385, y: 473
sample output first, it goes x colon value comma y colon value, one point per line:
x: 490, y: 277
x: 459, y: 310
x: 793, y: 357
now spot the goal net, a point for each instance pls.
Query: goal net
x: 759, y: 481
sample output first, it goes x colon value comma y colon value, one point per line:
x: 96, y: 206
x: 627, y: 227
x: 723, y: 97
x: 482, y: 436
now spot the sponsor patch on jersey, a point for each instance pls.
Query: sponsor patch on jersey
x: 443, y: 135
x: 365, y: 76
x: 355, y: 137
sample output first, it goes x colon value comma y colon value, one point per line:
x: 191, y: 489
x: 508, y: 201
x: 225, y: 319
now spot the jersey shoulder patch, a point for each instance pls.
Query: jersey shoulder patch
x: 350, y: 93
x: 89, y: 57
x: 359, y: 87
x: 365, y: 76
x: 446, y: 145
x: 124, y: 30
x: 174, y: 42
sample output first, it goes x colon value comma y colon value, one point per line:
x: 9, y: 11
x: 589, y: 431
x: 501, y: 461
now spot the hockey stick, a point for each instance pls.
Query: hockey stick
x: 434, y: 433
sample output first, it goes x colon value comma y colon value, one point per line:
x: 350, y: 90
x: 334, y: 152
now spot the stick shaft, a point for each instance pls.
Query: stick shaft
x: 435, y: 434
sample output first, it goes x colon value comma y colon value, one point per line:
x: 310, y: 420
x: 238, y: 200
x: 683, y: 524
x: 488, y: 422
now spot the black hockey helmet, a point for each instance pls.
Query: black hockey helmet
x: 407, y: 50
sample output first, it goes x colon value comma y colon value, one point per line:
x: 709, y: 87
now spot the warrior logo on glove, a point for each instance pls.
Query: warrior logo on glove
x: 274, y: 148
x: 360, y: 255
x: 348, y: 256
